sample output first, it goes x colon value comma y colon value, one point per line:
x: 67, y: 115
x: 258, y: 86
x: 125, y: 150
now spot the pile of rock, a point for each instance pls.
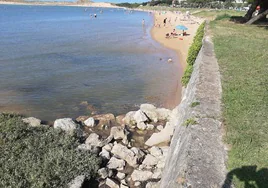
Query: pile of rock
x: 123, y: 165
x: 131, y: 167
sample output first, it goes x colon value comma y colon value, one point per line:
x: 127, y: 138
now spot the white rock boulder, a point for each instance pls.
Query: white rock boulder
x: 66, y: 124
x: 103, y: 173
x: 115, y: 163
x: 139, y: 175
x: 111, y: 183
x: 150, y: 111
x: 129, y: 118
x: 141, y: 126
x: 77, y: 182
x: 126, y: 154
x: 32, y: 121
x: 139, y: 116
x: 149, y: 161
x: 90, y: 122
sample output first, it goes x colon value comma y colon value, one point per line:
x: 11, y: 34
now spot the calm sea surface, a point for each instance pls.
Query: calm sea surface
x: 52, y: 58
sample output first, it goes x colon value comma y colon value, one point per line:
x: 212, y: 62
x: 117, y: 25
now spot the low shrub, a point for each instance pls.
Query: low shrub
x: 192, y: 54
x: 40, y: 156
x: 190, y: 121
x: 194, y: 104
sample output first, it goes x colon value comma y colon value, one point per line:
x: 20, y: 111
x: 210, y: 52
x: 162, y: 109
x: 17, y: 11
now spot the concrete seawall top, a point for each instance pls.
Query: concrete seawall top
x: 197, y: 156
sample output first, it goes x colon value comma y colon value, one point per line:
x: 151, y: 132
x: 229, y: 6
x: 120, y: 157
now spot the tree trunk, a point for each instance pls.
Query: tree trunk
x: 252, y: 9
x: 263, y: 8
x: 252, y: 20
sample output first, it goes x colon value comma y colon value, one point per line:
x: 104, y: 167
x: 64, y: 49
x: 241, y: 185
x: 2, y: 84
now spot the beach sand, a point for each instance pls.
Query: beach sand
x: 180, y: 44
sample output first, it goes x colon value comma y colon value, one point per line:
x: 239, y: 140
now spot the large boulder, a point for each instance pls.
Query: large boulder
x: 157, y: 174
x: 120, y: 175
x: 163, y: 113
x: 115, y: 163
x: 164, y: 136
x: 149, y: 161
x: 105, y: 154
x: 66, y: 124
x: 94, y: 139
x: 156, y: 152
x: 140, y: 175
x: 111, y: 183
x: 141, y: 126
x: 124, y: 153
x: 32, y: 121
x: 77, y: 182
x: 129, y: 118
x: 150, y: 111
x: 138, y: 153
x: 153, y: 185
x: 90, y: 122
x: 91, y: 148
x: 81, y: 119
x: 140, y: 116
x: 119, y: 133
x: 104, y: 119
x: 120, y: 119
x: 103, y: 173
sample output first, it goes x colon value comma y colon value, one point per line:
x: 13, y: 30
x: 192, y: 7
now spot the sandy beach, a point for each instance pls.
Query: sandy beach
x: 180, y: 44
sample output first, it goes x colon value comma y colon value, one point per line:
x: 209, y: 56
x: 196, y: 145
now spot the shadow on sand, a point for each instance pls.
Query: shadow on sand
x: 251, y: 177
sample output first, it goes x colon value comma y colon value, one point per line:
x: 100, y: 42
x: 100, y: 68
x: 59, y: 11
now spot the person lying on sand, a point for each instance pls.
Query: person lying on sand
x: 167, y: 35
x: 173, y: 33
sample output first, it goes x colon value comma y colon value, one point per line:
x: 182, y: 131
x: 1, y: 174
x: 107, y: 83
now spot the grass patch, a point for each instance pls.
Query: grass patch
x: 194, y: 104
x: 222, y: 17
x: 212, y: 14
x: 40, y: 156
x: 190, y: 121
x: 192, y: 54
x: 241, y: 51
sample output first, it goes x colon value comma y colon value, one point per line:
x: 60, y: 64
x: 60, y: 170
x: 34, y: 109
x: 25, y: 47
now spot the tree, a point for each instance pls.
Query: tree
x: 263, y: 7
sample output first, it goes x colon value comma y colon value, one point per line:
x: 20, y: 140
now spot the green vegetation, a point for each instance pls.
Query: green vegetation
x: 192, y: 54
x: 241, y: 51
x: 40, y: 156
x: 212, y: 14
x: 194, y: 104
x: 129, y: 5
x: 190, y: 121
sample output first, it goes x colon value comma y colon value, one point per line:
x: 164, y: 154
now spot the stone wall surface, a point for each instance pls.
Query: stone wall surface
x: 197, y: 156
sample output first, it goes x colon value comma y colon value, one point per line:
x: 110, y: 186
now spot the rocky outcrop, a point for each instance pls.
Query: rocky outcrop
x: 197, y: 156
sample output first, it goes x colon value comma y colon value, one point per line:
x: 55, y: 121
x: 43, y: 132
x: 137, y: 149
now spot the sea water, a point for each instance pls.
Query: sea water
x: 55, y: 59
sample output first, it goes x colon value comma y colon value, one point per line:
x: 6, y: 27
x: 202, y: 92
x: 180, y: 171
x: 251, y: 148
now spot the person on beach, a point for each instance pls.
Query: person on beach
x: 165, y: 21
x: 143, y: 22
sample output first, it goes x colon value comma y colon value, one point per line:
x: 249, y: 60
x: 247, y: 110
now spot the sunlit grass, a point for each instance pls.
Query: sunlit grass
x: 242, y: 55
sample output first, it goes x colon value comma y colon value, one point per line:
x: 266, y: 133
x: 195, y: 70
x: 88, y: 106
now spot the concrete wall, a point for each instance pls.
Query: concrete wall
x: 197, y: 157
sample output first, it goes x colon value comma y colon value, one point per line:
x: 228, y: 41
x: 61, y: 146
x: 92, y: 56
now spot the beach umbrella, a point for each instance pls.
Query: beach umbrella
x: 181, y: 27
